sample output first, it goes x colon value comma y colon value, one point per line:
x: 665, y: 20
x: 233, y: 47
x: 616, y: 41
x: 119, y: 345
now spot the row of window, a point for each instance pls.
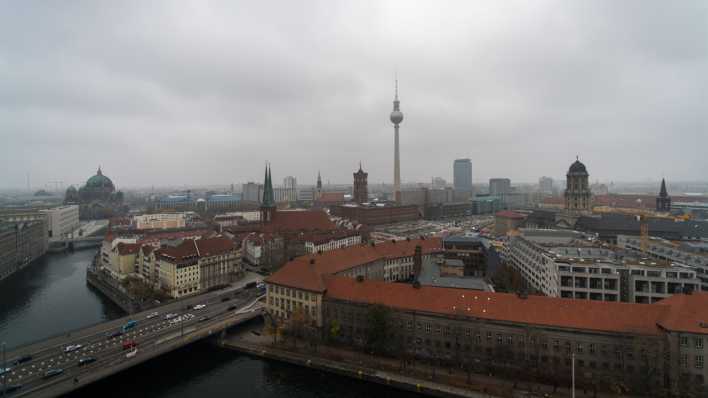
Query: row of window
x: 697, y: 342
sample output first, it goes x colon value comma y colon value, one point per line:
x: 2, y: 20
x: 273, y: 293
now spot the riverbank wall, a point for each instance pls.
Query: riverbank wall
x: 390, y: 379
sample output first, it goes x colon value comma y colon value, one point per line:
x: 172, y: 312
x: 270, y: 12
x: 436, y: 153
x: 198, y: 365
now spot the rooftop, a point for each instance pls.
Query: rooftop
x: 679, y: 312
x: 305, y: 272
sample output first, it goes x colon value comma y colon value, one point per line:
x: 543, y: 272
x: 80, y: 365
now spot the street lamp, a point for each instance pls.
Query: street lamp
x: 572, y: 390
x: 4, y: 371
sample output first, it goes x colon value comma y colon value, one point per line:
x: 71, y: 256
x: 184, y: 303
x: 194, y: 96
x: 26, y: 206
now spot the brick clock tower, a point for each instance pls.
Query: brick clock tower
x: 361, y: 186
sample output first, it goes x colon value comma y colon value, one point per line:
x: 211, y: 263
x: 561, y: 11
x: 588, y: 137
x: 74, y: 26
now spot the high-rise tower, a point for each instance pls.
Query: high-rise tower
x: 396, y: 119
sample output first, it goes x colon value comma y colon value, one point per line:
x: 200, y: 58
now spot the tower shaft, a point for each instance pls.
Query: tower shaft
x: 396, y: 168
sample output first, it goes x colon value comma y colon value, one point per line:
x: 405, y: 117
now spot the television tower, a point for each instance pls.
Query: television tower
x: 396, y: 119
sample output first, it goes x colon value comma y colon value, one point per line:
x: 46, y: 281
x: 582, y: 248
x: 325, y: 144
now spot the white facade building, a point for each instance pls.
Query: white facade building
x: 323, y: 245
x: 62, y: 221
x: 594, y: 273
x: 692, y: 254
x: 160, y: 221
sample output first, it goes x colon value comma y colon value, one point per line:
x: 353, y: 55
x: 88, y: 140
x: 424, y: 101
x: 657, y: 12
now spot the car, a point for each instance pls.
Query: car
x: 260, y: 285
x: 52, y: 373
x: 72, y: 348
x: 129, y: 325
x: 129, y: 344
x: 4, y: 370
x: 132, y: 353
x: 152, y: 315
x: 225, y: 299
x: 86, y: 361
x: 22, y: 359
x: 116, y: 333
x: 10, y: 388
x: 203, y: 319
x: 170, y: 316
x: 199, y: 306
x: 250, y: 285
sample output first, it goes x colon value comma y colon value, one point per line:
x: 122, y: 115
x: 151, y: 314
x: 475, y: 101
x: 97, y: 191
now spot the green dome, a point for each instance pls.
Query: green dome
x: 99, y: 181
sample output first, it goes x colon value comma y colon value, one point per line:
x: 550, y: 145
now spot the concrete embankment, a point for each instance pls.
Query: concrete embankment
x: 363, y: 373
x: 112, y: 292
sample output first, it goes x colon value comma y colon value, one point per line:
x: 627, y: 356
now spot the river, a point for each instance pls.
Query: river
x: 51, y: 297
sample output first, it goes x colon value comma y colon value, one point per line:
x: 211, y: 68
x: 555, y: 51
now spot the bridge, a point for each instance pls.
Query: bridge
x: 76, y: 242
x: 66, y: 362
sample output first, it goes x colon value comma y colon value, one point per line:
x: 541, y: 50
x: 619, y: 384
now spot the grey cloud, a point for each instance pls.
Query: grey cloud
x: 205, y: 92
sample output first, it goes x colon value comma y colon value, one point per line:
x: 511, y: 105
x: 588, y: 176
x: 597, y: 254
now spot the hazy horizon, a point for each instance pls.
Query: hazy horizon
x: 199, y: 94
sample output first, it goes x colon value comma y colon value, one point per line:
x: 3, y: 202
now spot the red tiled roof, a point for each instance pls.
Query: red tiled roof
x: 537, y: 310
x: 300, y: 273
x: 214, y: 246
x: 510, y: 214
x: 331, y: 197
x: 127, y: 248
x: 196, y: 248
x: 687, y: 313
x: 324, y: 237
x: 299, y: 220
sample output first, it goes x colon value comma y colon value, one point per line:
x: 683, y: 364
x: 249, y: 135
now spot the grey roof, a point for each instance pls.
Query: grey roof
x: 629, y: 225
x: 430, y: 276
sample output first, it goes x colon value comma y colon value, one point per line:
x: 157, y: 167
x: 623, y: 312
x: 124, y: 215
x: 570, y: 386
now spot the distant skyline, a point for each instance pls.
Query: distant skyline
x: 196, y: 93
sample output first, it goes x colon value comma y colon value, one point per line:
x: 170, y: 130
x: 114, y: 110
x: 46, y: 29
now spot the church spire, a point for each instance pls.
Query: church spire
x: 268, y: 197
x: 662, y: 191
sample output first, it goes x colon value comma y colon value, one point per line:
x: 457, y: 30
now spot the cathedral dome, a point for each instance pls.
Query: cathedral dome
x: 577, y: 168
x: 99, y: 181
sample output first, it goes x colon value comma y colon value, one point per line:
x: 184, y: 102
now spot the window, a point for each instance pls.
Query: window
x: 567, y: 347
x: 579, y: 348
x: 437, y: 329
x: 509, y: 340
x: 478, y: 338
x: 468, y: 332
x: 489, y: 336
x: 591, y: 348
x: 699, y: 343
x: 684, y: 341
x: 556, y: 345
x: 699, y: 361
x: 499, y: 338
x: 427, y: 327
x: 684, y: 360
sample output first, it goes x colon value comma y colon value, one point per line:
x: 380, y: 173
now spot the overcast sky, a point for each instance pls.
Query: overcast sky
x: 180, y: 92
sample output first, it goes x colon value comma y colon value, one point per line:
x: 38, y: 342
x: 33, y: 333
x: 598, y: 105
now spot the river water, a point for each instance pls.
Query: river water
x: 51, y: 297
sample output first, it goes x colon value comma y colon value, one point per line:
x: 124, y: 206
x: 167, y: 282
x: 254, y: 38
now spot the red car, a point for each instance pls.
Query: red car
x: 128, y: 344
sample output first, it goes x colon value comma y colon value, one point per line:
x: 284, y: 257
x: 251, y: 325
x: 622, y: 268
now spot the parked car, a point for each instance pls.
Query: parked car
x: 170, y: 316
x: 199, y: 306
x: 116, y: 333
x: 204, y: 319
x: 152, y: 315
x: 4, y: 370
x: 132, y: 353
x: 129, y: 325
x: 86, y: 361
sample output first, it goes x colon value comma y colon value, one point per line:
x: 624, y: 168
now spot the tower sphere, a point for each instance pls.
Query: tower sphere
x: 396, y: 117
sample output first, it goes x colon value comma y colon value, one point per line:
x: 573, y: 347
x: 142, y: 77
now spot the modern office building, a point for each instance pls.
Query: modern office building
x: 545, y: 185
x: 462, y: 175
x: 693, y: 253
x: 252, y: 192
x: 565, y: 264
x: 499, y: 186
x: 62, y: 221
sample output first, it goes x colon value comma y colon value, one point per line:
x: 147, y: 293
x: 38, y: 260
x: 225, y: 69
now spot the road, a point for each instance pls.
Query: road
x: 96, y: 342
